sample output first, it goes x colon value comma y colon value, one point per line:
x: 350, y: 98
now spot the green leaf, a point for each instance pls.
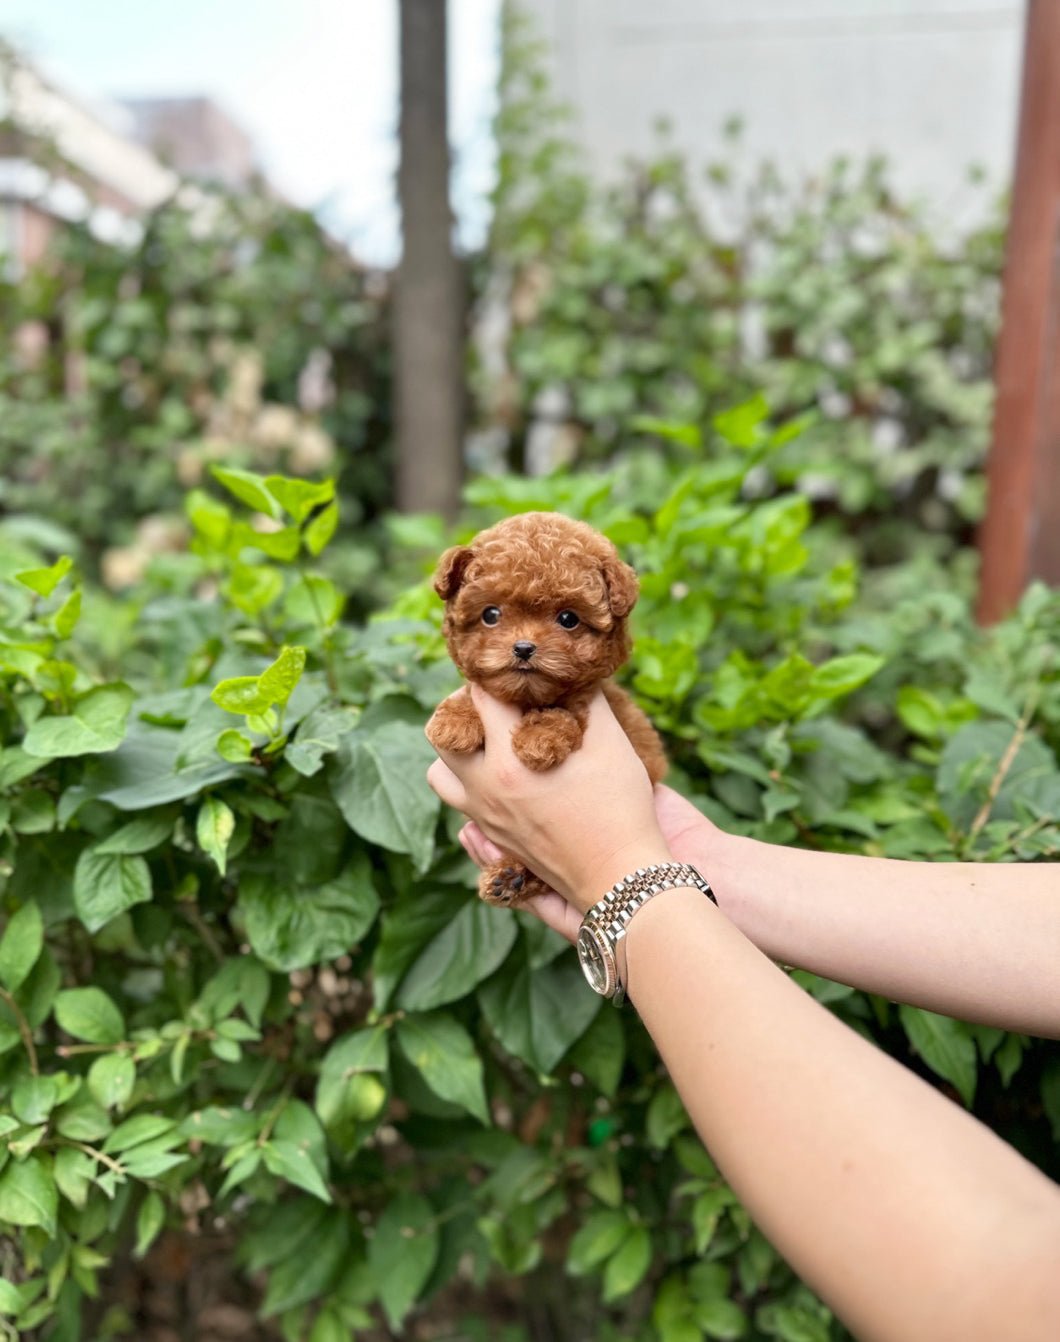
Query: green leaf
x: 95, y: 725
x: 248, y: 488
x: 945, y: 1045
x: 293, y: 1162
x: 140, y: 835
x: 149, y: 1221
x: 44, y: 581
x: 538, y: 1014
x: 321, y: 529
x: 214, y: 829
x: 65, y: 619
x: 627, y: 1266
x: 313, y: 1270
x: 841, y: 675
x: 139, y: 1129
x: 601, y: 1052
x: 466, y: 951
x: 89, y: 1014
x: 234, y: 746
x: 442, y: 1052
x: 278, y: 680
x: 299, y: 497
x: 971, y: 761
x: 22, y: 943
x: 318, y: 735
x: 255, y: 695
x: 290, y: 927
x: 744, y: 425
x: 74, y: 1172
x: 10, y: 1297
x: 600, y: 1235
x: 720, y: 1318
x: 239, y: 694
x: 378, y: 777
x: 111, y: 1080
x: 349, y: 1091
x: 106, y: 884
x: 33, y: 1098
x: 402, y: 1253
x: 407, y: 927
x: 147, y: 1160
x: 666, y: 1117
x: 28, y: 1194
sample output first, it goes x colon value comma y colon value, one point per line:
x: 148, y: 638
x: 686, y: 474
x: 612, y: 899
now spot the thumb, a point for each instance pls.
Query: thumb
x: 498, y: 718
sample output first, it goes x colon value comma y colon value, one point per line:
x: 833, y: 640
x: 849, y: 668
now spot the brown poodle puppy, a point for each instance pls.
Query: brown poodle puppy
x: 535, y: 613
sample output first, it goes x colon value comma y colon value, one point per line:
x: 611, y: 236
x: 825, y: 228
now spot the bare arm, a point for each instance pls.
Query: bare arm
x: 907, y: 1215
x: 911, y: 1219
x: 979, y: 941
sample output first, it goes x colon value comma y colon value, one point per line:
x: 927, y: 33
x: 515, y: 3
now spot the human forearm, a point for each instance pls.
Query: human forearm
x: 977, y: 941
x: 909, y: 1217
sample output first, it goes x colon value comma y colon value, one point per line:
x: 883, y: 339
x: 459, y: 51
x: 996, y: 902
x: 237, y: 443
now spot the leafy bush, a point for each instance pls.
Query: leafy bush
x: 244, y: 979
x: 235, y: 330
x: 664, y: 294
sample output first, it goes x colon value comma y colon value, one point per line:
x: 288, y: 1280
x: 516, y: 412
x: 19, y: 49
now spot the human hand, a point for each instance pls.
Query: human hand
x: 688, y: 834
x: 580, y: 826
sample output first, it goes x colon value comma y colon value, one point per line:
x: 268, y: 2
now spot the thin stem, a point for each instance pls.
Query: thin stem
x: 274, y: 1113
x: 329, y: 663
x: 23, y: 1029
x: 96, y: 1154
x: 194, y: 917
x: 1004, y: 764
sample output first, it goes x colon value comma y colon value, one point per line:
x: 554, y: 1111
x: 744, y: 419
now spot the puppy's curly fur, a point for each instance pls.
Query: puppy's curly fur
x: 536, y: 613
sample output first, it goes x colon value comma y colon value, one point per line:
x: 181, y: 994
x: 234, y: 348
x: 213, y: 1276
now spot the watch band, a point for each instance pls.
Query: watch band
x: 605, y: 923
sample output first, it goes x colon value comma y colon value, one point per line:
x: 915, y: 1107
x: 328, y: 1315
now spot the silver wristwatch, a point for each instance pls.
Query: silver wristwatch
x: 604, y: 926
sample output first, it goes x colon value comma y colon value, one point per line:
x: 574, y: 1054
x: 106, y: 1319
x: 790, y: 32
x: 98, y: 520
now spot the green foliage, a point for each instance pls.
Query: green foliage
x: 248, y: 960
x: 669, y: 294
x: 234, y: 330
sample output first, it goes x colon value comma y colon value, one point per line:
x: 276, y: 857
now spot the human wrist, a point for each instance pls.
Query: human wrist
x: 615, y: 866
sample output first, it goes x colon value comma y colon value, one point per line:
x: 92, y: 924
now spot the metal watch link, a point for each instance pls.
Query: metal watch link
x: 605, y: 924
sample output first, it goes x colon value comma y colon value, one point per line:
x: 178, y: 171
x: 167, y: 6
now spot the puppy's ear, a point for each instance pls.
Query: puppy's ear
x: 622, y: 587
x: 451, y: 569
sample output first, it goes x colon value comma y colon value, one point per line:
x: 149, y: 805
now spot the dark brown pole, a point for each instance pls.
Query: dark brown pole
x: 428, y: 300
x: 1020, y: 536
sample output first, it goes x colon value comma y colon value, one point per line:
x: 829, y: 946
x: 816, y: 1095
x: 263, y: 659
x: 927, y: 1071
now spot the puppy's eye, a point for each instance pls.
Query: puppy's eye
x: 567, y: 619
x: 491, y: 615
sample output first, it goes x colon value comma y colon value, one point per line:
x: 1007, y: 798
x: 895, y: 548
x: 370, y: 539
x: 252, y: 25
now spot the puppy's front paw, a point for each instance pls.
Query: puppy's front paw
x: 545, y: 738
x: 455, y: 726
x: 508, y: 882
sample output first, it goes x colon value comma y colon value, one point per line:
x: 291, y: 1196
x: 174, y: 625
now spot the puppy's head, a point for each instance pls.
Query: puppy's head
x: 536, y: 607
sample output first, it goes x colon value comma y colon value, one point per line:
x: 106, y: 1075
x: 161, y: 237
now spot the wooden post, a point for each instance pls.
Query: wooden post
x: 1020, y: 536
x: 428, y: 299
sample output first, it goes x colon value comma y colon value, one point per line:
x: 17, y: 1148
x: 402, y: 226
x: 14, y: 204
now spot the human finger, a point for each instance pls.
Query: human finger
x: 498, y: 718
x: 482, y: 851
x: 445, y: 783
x: 554, y: 911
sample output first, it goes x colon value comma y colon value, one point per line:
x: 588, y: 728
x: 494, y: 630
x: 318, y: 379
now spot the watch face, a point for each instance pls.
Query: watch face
x: 595, y: 965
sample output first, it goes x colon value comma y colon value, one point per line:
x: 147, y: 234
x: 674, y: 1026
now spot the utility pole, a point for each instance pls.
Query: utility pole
x: 429, y: 298
x: 1020, y: 536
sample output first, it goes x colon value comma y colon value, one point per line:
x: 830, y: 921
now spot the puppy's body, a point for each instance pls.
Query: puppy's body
x: 536, y: 613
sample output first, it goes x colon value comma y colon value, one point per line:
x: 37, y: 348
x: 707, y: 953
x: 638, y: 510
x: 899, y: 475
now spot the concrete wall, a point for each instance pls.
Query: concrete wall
x: 931, y: 83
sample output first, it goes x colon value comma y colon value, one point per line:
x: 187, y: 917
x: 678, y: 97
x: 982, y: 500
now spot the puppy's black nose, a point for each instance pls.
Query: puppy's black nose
x: 524, y: 651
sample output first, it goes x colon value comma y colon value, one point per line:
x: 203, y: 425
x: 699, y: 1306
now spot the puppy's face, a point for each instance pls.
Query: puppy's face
x: 536, y: 608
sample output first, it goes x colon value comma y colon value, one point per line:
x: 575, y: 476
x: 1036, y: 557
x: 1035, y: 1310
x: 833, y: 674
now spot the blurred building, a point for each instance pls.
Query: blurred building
x: 65, y: 158
x: 197, y: 138
x: 933, y: 84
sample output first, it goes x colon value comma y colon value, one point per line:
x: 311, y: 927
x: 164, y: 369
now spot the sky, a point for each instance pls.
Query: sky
x: 313, y: 82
